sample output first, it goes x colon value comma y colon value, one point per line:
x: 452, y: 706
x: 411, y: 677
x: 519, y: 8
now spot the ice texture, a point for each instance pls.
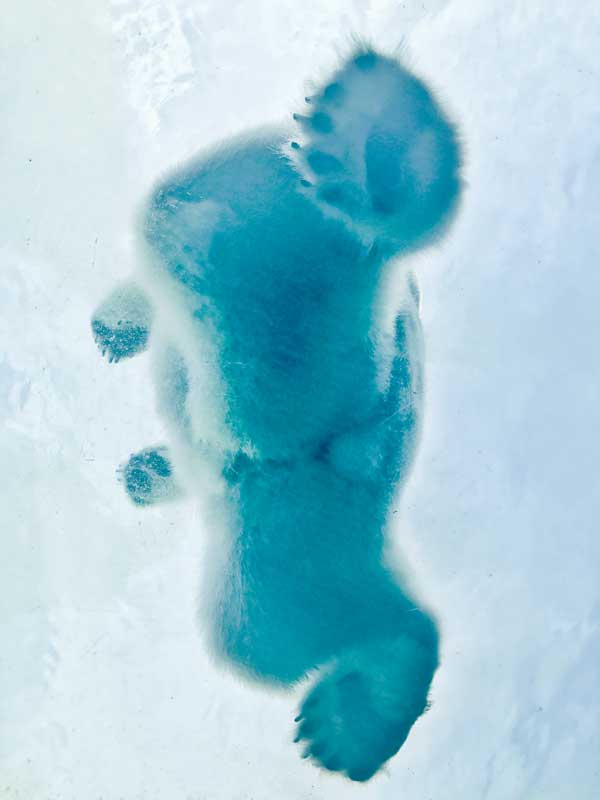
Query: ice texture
x: 106, y: 689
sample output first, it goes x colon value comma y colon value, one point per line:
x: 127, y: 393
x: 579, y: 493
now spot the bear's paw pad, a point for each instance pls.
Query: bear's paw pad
x: 148, y: 476
x: 342, y: 728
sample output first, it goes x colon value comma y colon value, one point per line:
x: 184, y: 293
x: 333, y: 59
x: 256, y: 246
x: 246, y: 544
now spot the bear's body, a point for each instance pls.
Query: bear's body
x: 273, y: 367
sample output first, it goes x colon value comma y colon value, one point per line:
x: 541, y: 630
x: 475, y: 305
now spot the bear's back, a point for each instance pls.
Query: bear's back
x: 288, y: 292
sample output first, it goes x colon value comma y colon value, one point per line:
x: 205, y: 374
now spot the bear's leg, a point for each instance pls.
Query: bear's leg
x: 148, y: 477
x: 121, y: 325
x: 361, y: 710
x: 381, y: 450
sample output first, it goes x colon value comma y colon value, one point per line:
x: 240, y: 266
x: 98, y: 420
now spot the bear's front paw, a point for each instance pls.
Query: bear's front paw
x: 148, y: 477
x: 121, y: 326
x: 123, y: 341
x: 377, y: 149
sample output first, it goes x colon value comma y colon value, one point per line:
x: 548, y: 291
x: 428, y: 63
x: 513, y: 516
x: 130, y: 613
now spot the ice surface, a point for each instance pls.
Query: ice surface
x: 106, y: 689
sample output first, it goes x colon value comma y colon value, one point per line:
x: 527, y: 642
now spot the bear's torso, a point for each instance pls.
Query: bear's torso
x: 287, y: 292
x: 287, y: 296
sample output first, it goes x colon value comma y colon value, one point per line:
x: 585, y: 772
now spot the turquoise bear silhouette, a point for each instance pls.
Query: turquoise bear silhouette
x: 291, y: 405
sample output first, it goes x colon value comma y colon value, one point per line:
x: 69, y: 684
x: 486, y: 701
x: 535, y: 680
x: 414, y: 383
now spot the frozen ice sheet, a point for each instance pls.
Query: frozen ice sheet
x: 106, y: 689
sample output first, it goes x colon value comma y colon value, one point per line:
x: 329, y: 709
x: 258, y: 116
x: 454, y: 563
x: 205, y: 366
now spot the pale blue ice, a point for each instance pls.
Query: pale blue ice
x: 107, y: 686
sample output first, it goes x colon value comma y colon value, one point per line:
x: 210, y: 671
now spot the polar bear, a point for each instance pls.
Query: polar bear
x: 284, y: 389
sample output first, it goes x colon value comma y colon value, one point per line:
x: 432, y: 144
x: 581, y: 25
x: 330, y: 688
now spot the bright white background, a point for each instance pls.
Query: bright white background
x: 105, y: 688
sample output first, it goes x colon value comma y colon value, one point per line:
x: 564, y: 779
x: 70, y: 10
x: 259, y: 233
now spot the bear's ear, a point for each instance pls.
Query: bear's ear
x: 378, y: 151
